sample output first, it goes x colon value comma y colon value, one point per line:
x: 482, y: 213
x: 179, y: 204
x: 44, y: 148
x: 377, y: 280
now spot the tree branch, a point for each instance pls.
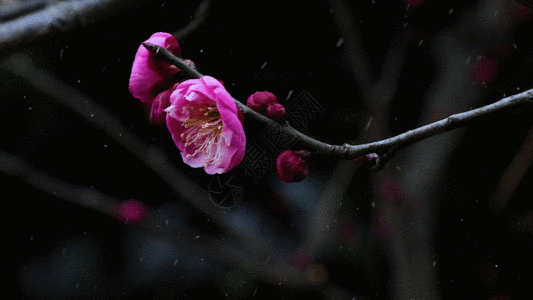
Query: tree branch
x: 385, y: 146
x: 62, y: 16
x: 197, y: 20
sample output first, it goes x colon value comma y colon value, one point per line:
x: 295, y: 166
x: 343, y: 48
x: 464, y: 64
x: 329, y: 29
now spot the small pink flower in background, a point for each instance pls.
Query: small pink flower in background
x: 485, y: 70
x: 266, y: 104
x: 293, y: 166
x: 131, y: 211
x: 391, y: 190
x: 149, y: 75
x: 204, y: 122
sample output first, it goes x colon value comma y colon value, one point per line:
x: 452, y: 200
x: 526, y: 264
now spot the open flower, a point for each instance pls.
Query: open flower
x: 204, y: 123
x: 149, y: 75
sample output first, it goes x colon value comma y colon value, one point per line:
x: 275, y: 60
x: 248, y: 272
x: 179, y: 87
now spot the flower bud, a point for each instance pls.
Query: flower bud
x: 366, y: 161
x: 260, y: 101
x: 161, y: 102
x: 266, y: 104
x: 275, y: 111
x: 293, y: 166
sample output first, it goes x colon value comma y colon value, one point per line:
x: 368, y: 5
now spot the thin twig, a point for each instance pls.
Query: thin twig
x: 197, y: 20
x: 347, y: 151
x: 63, y: 16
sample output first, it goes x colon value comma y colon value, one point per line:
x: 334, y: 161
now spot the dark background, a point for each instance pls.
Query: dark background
x: 65, y: 251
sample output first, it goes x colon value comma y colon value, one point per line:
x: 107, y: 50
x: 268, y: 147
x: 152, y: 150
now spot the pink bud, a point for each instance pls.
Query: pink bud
x: 161, y: 102
x: 293, y: 165
x: 131, y: 211
x: 260, y: 101
x: 366, y: 161
x: 190, y: 63
x: 275, y: 111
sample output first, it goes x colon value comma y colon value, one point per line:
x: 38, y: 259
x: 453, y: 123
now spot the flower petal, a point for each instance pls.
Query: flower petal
x: 149, y: 75
x: 217, y: 147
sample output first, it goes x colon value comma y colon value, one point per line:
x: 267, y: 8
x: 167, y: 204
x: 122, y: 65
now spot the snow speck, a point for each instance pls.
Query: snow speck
x: 176, y: 262
x: 450, y: 11
x: 196, y: 237
x: 61, y: 53
x: 77, y: 285
x: 201, y: 50
x: 289, y: 95
x: 420, y: 43
x: 30, y: 108
x: 368, y: 123
x: 340, y: 41
x: 434, y: 263
x: 264, y: 65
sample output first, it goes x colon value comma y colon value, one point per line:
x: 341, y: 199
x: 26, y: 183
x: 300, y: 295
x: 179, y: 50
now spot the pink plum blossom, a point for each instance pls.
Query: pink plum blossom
x: 149, y: 75
x: 204, y: 122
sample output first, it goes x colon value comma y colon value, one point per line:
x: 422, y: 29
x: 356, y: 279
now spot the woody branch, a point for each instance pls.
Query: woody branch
x: 382, y: 147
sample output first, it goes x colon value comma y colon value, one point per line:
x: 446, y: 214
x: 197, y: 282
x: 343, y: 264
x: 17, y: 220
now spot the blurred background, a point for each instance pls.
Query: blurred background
x: 447, y: 217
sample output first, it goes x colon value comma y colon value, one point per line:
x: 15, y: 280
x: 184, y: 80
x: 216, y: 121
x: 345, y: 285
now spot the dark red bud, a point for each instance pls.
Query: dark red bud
x: 275, y: 111
x: 260, y: 101
x: 293, y: 166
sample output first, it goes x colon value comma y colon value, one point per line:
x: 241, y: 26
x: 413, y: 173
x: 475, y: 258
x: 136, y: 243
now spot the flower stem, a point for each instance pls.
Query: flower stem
x: 384, y: 147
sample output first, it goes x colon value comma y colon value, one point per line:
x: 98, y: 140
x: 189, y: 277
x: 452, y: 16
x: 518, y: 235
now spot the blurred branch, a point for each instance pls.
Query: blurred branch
x: 22, y: 67
x: 62, y: 16
x: 389, y: 145
x: 15, y: 9
x: 154, y: 221
x: 354, y: 50
x: 86, y: 197
x: 197, y: 20
x: 513, y: 174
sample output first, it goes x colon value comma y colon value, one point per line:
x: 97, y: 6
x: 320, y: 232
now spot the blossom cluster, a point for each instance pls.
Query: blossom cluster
x: 200, y: 114
x: 202, y: 117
